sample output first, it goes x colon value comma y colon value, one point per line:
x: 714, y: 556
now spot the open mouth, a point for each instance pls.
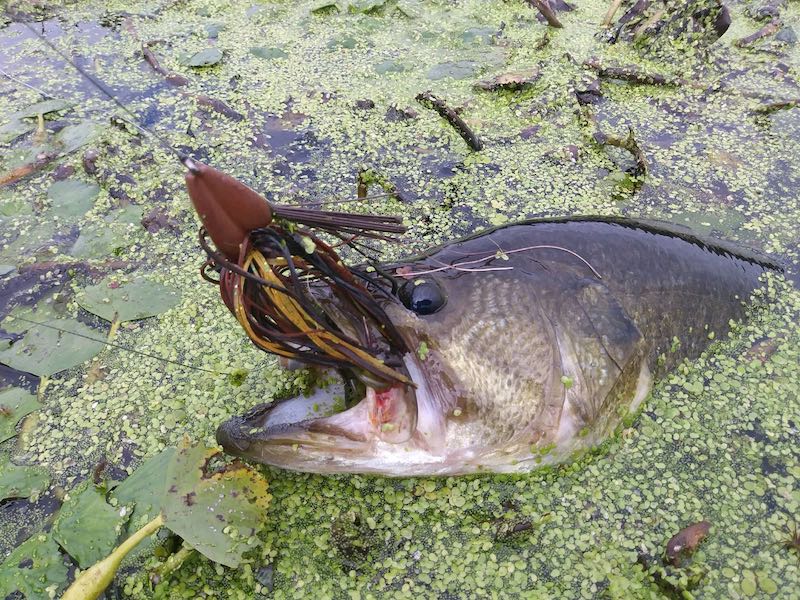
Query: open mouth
x: 322, y: 422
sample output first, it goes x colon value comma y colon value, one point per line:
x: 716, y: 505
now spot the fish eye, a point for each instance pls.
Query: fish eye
x: 423, y: 296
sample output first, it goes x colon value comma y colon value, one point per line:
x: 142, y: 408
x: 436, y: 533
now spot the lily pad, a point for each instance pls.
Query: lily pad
x: 72, y: 198
x: 215, y: 510
x: 268, y: 53
x: 145, y: 487
x: 42, y: 108
x: 368, y: 7
x: 213, y: 29
x: 13, y: 129
x: 389, y: 66
x: 325, y: 8
x: 87, y: 527
x: 33, y: 568
x: 460, y: 69
x: 45, y: 351
x: 73, y: 137
x: 15, y: 403
x: 21, y: 481
x: 99, y: 242
x: 479, y: 35
x: 128, y: 302
x: 204, y: 58
x: 513, y: 81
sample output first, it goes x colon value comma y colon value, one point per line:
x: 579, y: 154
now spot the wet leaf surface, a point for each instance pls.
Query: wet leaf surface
x: 45, y: 351
x: 100, y: 241
x: 15, y: 403
x: 44, y: 107
x: 71, y: 197
x: 73, y: 137
x: 33, y: 568
x: 21, y: 481
x: 216, y: 510
x: 268, y: 53
x: 144, y: 488
x: 13, y: 129
x: 128, y: 301
x: 87, y: 527
x: 204, y: 58
x: 460, y: 69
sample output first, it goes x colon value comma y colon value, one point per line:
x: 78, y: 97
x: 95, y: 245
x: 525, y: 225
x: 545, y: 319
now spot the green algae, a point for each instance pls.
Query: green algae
x: 715, y: 441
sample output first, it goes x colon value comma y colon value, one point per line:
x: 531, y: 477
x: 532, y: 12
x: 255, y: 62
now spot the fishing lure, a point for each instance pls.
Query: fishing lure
x: 266, y: 258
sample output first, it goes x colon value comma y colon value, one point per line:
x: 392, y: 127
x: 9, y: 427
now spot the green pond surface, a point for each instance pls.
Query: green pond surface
x: 718, y: 440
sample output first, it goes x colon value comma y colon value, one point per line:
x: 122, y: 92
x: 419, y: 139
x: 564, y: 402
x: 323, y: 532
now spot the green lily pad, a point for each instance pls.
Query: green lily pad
x: 213, y: 29
x: 216, y: 511
x: 42, y: 108
x: 100, y: 242
x: 44, y: 351
x: 72, y: 198
x: 478, y: 35
x: 204, y: 58
x: 15, y: 403
x: 73, y: 137
x: 460, y: 69
x: 33, y: 568
x: 368, y: 7
x: 13, y: 129
x: 21, y: 481
x: 389, y: 66
x: 87, y: 527
x: 145, y: 487
x: 326, y: 8
x: 130, y: 301
x: 343, y: 42
x: 268, y: 53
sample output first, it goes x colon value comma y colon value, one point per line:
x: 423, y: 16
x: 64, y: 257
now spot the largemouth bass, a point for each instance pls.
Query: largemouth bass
x: 526, y: 344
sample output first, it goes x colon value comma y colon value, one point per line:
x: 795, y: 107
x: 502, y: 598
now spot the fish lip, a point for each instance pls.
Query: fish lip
x: 238, y: 434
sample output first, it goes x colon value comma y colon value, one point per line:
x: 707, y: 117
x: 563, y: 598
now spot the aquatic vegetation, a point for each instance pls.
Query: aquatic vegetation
x: 715, y: 441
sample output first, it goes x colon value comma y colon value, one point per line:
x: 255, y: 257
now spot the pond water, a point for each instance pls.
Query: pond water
x: 284, y: 110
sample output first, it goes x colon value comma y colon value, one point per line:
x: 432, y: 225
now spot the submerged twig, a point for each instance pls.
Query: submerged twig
x: 612, y: 10
x: 771, y: 107
x: 219, y: 106
x: 23, y: 171
x: 152, y: 60
x: 544, y: 8
x: 428, y: 100
x: 630, y: 73
x: 767, y: 30
x: 627, y: 143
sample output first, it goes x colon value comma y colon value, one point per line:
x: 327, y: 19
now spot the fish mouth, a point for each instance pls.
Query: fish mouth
x: 316, y: 432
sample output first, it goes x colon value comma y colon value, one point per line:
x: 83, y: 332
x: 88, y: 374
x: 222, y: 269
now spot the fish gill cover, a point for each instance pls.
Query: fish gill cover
x: 670, y: 121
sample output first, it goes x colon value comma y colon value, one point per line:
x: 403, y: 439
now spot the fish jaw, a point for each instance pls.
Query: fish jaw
x: 395, y: 431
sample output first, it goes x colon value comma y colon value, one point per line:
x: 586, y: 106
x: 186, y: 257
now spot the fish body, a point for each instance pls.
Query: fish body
x: 529, y: 343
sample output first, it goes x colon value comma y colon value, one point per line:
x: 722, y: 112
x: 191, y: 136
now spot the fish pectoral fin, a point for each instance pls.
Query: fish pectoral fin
x: 598, y: 343
x: 607, y: 320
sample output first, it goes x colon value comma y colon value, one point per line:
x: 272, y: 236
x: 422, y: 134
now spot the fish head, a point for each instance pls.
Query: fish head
x: 461, y: 352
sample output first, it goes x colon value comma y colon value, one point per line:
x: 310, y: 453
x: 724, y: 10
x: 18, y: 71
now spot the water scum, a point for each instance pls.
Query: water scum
x: 717, y: 440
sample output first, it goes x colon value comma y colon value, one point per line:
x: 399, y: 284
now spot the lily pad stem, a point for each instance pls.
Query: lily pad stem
x: 91, y: 583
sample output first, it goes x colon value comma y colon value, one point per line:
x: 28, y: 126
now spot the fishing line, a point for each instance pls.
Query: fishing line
x: 27, y: 85
x: 184, y: 158
x: 121, y: 347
